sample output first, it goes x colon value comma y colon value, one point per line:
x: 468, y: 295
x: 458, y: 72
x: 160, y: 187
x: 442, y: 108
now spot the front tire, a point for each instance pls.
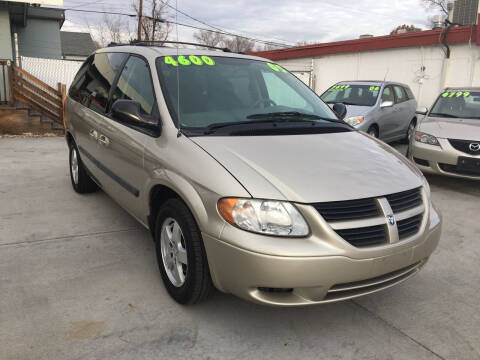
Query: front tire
x: 410, y: 131
x: 81, y: 181
x: 181, y: 255
x: 373, y: 131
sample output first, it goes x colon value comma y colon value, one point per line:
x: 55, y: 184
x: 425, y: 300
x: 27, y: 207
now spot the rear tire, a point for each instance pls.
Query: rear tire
x: 373, y: 131
x: 82, y: 183
x: 181, y: 256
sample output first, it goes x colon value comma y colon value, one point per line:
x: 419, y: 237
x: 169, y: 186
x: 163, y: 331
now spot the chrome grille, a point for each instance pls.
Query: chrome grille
x: 464, y: 146
x: 405, y: 200
x: 367, y: 236
x: 347, y: 210
x: 409, y: 227
x: 364, y: 222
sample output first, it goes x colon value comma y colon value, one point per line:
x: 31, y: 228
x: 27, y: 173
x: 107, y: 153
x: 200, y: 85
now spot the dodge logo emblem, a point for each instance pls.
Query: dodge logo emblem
x: 474, y: 147
x: 391, y: 219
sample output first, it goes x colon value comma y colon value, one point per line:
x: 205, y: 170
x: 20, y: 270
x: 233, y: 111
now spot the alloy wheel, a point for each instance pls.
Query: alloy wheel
x: 174, y: 252
x: 74, y: 165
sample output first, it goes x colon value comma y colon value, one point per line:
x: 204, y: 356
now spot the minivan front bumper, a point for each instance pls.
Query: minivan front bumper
x: 305, y: 280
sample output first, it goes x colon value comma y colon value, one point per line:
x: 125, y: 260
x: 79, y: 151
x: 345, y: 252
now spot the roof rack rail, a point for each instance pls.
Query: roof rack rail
x: 160, y: 43
x: 117, y: 44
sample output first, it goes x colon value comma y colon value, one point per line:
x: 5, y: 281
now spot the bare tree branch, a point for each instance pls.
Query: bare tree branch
x: 209, y: 38
x: 154, y: 25
x: 110, y: 29
x: 438, y: 4
x: 239, y: 44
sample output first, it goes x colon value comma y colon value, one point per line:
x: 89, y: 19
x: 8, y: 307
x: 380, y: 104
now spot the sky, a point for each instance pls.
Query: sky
x: 279, y: 21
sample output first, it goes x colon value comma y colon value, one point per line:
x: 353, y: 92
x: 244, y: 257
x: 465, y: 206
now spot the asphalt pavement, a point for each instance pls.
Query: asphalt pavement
x: 79, y: 280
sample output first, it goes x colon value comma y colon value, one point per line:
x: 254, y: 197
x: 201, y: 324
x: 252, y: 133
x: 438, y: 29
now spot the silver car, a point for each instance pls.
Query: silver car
x: 447, y: 140
x: 385, y: 110
x: 248, y: 182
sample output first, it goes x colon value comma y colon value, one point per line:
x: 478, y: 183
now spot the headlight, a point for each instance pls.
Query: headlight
x: 355, y: 120
x: 268, y: 217
x: 426, y: 138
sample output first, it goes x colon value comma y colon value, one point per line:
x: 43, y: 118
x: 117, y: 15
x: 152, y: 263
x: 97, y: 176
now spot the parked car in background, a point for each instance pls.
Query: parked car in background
x: 447, y: 140
x: 383, y: 109
x: 246, y: 179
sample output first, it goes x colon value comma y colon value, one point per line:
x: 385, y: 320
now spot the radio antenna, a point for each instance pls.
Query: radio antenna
x: 179, y: 133
x: 386, y: 73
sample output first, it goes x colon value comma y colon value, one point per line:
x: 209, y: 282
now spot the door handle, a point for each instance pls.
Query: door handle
x: 102, y: 139
x: 94, y: 134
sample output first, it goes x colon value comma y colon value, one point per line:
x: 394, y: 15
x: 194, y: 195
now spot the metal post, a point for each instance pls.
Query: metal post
x: 10, y: 85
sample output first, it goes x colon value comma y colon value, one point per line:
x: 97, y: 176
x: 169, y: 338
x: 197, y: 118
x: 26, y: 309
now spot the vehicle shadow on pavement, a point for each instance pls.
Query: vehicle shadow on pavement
x: 464, y: 186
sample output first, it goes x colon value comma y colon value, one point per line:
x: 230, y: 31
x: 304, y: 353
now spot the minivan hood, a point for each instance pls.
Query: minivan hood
x: 447, y: 128
x: 313, y: 168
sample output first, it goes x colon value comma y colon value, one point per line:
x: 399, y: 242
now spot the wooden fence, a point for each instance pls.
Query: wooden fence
x: 40, y: 96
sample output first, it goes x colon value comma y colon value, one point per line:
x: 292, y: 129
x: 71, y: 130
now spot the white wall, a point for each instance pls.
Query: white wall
x: 51, y: 71
x: 402, y: 65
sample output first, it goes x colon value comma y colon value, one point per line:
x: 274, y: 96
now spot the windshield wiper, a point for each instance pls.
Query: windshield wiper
x: 289, y: 115
x: 444, y: 115
x: 354, y: 104
x: 214, y: 127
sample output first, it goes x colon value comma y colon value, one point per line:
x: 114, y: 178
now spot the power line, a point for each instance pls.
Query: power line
x: 281, y: 42
x: 176, y: 23
x: 203, y: 22
x: 100, y: 12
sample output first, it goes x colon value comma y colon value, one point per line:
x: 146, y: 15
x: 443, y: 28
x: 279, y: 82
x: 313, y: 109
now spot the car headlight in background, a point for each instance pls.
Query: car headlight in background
x: 355, y: 120
x: 426, y: 138
x: 268, y: 217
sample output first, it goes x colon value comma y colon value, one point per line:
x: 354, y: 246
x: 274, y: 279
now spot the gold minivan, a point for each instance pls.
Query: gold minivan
x: 247, y: 180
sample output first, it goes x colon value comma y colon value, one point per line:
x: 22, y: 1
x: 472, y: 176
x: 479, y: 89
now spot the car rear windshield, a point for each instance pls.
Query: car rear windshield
x: 352, y: 94
x: 205, y: 91
x: 457, y: 104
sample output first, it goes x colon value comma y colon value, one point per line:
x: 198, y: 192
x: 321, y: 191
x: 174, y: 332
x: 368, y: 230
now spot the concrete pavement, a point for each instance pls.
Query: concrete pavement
x: 79, y: 280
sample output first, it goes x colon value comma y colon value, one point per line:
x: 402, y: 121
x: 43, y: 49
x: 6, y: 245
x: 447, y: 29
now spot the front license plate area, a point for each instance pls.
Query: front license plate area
x: 469, y: 165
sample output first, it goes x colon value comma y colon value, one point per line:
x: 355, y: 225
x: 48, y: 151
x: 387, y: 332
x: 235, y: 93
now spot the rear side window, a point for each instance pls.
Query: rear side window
x: 400, y: 94
x: 409, y: 92
x: 135, y: 83
x: 93, y: 82
x: 388, y: 94
x: 74, y: 92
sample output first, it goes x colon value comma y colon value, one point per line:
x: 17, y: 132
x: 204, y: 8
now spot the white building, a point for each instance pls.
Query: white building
x: 427, y: 61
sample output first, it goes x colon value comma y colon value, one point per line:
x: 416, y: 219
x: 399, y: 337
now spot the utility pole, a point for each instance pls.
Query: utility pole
x: 140, y: 13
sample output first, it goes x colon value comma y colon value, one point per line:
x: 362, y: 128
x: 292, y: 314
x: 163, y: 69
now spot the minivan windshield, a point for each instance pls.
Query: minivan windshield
x: 352, y: 94
x: 211, y: 94
x: 457, y: 104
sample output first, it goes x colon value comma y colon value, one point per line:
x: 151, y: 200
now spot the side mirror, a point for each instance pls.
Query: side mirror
x: 386, y: 104
x: 340, y: 109
x: 422, y: 111
x: 129, y: 112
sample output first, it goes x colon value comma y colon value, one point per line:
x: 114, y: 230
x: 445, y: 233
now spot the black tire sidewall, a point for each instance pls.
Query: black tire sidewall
x: 85, y: 183
x: 406, y: 140
x: 373, y: 131
x: 196, y: 269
